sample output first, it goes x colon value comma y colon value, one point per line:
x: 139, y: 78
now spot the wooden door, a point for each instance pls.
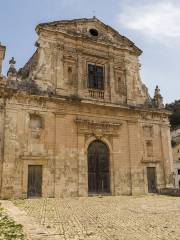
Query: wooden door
x: 98, y: 168
x: 34, y: 181
x: 151, y: 177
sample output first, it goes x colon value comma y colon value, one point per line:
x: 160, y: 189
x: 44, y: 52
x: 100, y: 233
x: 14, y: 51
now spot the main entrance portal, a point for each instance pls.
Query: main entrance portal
x: 98, y: 168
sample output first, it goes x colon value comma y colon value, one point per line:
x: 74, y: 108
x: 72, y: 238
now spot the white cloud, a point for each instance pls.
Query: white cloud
x: 158, y: 20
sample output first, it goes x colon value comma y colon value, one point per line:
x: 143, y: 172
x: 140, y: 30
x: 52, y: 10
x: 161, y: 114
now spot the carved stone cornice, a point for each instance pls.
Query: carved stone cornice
x: 34, y: 157
x: 161, y: 117
x: 150, y: 160
x: 97, y: 128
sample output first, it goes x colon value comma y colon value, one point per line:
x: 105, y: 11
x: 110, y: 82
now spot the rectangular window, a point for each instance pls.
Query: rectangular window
x: 95, y: 77
x: 178, y: 171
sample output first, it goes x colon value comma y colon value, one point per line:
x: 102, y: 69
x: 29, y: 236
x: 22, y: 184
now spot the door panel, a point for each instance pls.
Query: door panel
x: 34, y: 181
x: 151, y: 177
x: 98, y: 168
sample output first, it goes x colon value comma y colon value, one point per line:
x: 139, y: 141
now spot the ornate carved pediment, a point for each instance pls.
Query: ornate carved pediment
x: 92, y: 29
x: 97, y: 128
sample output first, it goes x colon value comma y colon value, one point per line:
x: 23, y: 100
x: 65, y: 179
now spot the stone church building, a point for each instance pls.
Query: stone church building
x: 76, y: 120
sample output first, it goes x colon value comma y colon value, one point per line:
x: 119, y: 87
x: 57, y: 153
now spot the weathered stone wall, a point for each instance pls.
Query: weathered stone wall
x: 62, y: 61
x: 60, y: 146
x: 51, y: 116
x: 1, y: 138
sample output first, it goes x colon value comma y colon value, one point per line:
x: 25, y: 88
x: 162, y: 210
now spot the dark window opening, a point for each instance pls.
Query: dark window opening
x: 95, y: 77
x: 93, y: 32
x: 178, y: 171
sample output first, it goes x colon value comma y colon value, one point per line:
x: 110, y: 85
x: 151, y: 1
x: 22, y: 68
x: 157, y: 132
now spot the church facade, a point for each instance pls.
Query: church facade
x: 76, y: 120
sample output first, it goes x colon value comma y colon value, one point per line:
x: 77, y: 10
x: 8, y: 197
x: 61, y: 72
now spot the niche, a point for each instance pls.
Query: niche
x: 149, y: 148
x: 148, y: 131
x: 36, y: 121
x: 120, y: 83
x: 70, y: 75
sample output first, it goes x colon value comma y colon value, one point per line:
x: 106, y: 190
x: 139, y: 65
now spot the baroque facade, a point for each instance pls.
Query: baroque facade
x: 77, y: 120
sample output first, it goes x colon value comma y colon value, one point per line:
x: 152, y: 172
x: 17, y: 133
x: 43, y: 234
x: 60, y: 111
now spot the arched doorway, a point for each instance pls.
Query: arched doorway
x: 98, y: 168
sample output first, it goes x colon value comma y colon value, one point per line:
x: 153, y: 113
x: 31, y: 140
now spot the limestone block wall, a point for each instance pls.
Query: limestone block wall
x: 61, y: 141
x: 62, y: 65
x: 24, y: 146
x: 135, y: 151
x: 11, y: 167
x: 66, y: 166
x: 122, y: 162
x: 167, y: 155
x: 1, y: 141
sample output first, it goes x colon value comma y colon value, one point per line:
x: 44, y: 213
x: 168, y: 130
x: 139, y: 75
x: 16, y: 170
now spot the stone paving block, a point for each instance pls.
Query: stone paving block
x: 107, y: 218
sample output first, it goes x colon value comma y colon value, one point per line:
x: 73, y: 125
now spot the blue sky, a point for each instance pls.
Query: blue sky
x: 154, y: 26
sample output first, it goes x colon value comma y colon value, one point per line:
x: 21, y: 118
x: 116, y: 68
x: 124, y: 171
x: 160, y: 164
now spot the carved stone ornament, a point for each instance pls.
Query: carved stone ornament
x: 98, y: 128
x: 2, y: 104
x: 36, y: 134
x: 158, y: 99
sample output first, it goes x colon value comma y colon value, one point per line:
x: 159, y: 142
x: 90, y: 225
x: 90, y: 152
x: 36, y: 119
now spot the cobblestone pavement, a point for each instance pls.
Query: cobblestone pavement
x: 107, y: 218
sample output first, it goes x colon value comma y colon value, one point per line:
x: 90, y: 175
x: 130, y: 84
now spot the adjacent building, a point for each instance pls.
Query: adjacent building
x: 77, y: 120
x: 176, y: 155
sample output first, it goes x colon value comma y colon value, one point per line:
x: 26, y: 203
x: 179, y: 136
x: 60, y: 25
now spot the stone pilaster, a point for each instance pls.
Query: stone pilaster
x: 60, y: 69
x: 2, y: 55
x: 112, y: 80
x: 82, y: 168
x: 167, y: 155
x: 80, y: 83
x: 137, y: 173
